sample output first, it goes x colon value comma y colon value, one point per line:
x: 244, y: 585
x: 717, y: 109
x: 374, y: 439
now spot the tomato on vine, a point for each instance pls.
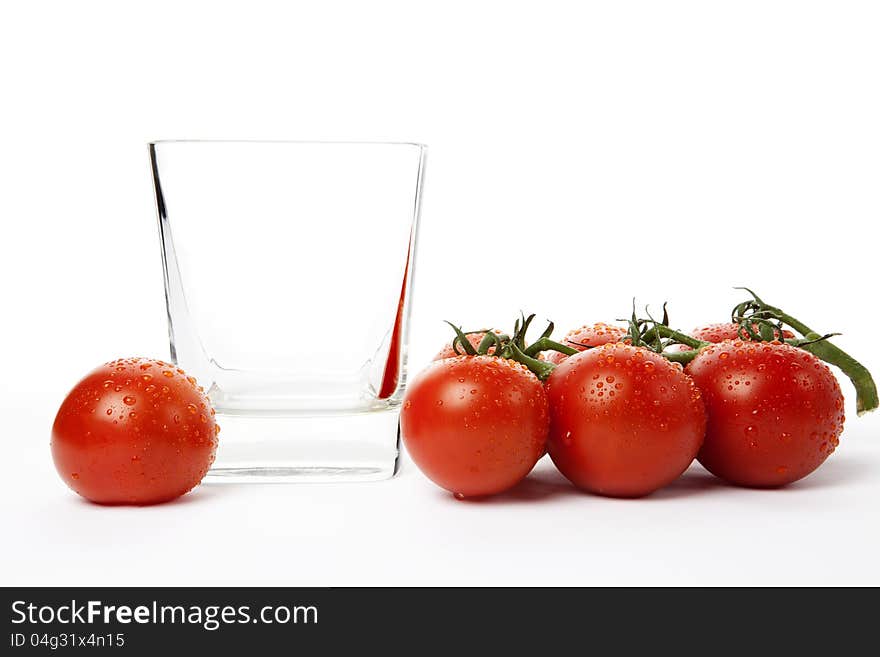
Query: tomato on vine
x: 476, y: 423
x: 775, y: 412
x: 624, y: 421
x: 619, y: 413
x: 587, y: 337
x: 730, y: 331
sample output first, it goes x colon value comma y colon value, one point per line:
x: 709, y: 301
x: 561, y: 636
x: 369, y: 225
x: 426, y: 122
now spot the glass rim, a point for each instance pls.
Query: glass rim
x: 333, y: 142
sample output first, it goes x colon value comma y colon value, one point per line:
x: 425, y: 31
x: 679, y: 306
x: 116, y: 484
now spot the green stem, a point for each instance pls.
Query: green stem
x: 866, y: 389
x: 666, y: 332
x: 546, y: 344
x: 683, y: 357
x: 491, y: 339
x: 461, y: 339
x: 863, y: 382
x: 540, y: 368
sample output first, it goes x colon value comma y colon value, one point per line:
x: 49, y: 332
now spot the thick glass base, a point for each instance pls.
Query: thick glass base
x: 319, y: 449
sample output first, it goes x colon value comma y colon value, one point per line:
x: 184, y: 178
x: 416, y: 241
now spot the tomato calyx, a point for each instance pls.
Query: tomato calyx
x: 657, y: 336
x: 513, y: 347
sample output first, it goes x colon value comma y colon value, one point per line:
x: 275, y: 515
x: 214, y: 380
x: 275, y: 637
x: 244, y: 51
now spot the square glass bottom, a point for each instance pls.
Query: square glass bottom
x: 307, y: 448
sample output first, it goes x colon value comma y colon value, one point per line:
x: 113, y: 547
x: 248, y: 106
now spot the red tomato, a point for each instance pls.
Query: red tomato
x: 473, y: 338
x: 721, y: 332
x: 475, y: 425
x: 134, y: 431
x: 775, y: 412
x: 728, y: 331
x: 624, y: 421
x: 584, y: 337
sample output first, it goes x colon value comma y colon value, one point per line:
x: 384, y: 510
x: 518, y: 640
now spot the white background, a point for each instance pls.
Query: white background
x: 580, y: 154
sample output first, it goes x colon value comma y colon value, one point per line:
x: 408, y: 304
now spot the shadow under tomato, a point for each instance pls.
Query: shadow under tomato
x: 198, y: 495
x: 695, y: 481
x: 543, y: 483
x: 833, y: 473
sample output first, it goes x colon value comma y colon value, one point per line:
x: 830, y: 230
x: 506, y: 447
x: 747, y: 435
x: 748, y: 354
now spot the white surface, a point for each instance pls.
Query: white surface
x: 580, y: 154
x: 404, y: 531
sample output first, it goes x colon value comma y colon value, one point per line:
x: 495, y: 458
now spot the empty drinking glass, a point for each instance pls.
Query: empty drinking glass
x: 288, y: 272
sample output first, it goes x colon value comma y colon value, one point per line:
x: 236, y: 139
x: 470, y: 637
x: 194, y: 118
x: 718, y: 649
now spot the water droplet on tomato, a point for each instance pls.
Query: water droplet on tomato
x: 458, y: 496
x: 167, y: 374
x: 75, y: 475
x: 128, y: 400
x: 109, y: 411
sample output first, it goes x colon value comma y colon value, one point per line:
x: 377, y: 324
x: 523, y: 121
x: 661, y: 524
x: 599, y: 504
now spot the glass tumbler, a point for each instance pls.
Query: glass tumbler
x: 288, y: 275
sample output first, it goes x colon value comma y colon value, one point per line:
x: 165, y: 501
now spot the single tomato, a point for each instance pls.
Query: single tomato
x: 775, y: 412
x: 726, y: 331
x: 624, y: 421
x: 593, y: 335
x: 475, y: 425
x: 134, y: 431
